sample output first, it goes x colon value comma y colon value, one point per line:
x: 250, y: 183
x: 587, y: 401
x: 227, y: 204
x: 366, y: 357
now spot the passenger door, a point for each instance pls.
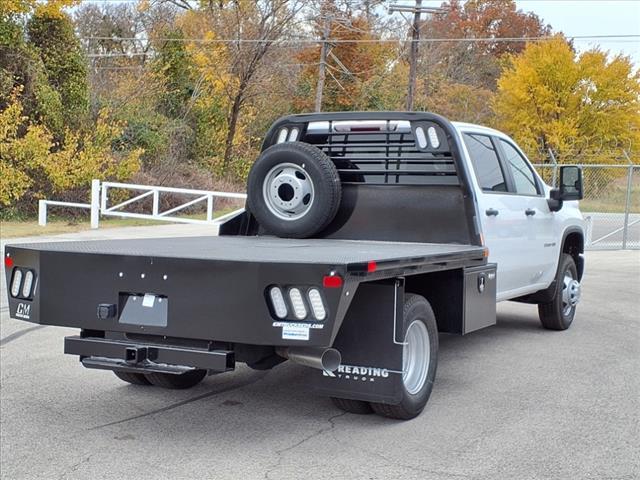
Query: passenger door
x: 541, y: 236
x: 508, y: 206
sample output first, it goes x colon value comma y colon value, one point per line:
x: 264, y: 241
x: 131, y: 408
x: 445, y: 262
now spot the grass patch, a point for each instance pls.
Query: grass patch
x: 59, y: 225
x: 613, y: 201
x: 30, y: 228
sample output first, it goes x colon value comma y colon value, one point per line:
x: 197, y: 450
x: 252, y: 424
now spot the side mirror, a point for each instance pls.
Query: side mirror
x: 571, y: 187
x: 571, y: 183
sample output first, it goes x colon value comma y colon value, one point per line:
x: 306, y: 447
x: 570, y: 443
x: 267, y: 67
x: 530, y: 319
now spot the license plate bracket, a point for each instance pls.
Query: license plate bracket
x: 145, y: 309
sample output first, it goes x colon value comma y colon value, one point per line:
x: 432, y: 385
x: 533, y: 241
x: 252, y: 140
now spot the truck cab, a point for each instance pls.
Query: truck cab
x: 524, y: 231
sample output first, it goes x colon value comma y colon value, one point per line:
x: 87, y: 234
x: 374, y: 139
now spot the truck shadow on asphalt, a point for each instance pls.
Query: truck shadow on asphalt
x: 285, y: 388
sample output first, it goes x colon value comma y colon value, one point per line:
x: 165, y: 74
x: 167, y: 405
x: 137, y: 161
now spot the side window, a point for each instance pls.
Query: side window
x: 522, y: 174
x: 485, y: 162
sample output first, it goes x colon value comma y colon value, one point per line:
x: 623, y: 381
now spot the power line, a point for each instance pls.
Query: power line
x: 366, y: 40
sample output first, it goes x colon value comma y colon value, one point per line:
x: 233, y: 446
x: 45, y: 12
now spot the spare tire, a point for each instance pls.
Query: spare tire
x: 293, y: 190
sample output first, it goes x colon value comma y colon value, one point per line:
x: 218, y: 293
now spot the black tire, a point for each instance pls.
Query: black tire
x: 177, y: 381
x: 358, y: 407
x: 133, y: 378
x: 416, y: 309
x: 554, y: 315
x: 313, y: 168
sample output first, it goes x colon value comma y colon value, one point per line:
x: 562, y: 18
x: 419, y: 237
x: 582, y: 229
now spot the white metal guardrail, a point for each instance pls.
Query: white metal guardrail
x: 100, y: 203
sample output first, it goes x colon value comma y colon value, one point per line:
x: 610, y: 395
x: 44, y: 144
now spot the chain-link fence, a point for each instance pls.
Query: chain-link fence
x: 611, y: 204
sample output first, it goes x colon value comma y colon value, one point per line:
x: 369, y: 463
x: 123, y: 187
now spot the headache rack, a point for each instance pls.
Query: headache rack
x: 385, y: 152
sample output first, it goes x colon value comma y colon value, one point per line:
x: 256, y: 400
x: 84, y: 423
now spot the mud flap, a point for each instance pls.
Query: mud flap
x: 370, y: 341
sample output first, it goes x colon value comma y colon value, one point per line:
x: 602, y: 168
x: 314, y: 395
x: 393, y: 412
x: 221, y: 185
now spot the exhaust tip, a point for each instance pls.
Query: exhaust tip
x: 331, y: 359
x: 328, y: 359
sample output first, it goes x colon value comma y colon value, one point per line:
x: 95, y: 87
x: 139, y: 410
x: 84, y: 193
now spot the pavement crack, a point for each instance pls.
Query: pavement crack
x: 76, y: 466
x: 15, y: 335
x: 280, y: 453
x: 438, y: 474
x: 228, y: 388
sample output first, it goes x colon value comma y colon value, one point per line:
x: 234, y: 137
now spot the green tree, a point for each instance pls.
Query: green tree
x: 21, y: 66
x: 65, y: 66
x: 173, y: 66
x: 33, y: 166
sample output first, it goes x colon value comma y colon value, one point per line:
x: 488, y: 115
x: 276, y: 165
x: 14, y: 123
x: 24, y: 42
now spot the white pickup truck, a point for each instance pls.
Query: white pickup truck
x: 364, y: 236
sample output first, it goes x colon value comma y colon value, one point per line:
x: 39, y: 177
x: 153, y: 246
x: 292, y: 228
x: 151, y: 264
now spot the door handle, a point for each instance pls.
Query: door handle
x: 491, y: 212
x: 529, y: 212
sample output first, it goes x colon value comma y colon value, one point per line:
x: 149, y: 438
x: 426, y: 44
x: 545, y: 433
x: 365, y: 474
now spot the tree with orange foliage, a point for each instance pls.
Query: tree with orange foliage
x: 349, y: 64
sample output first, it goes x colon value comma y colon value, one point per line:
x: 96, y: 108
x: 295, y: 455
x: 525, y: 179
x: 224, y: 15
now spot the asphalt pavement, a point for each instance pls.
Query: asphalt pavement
x: 512, y: 401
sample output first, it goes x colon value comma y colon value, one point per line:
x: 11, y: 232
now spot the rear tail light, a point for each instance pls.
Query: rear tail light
x: 297, y: 303
x: 16, y: 282
x: 315, y: 299
x: 278, y: 303
x: 22, y: 283
x: 27, y: 284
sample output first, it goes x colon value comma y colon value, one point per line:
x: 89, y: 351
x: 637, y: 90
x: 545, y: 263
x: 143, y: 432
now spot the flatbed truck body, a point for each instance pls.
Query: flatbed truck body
x: 402, y: 257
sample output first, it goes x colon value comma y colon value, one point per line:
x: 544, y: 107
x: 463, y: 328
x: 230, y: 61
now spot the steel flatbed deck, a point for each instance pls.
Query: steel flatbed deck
x: 269, y: 250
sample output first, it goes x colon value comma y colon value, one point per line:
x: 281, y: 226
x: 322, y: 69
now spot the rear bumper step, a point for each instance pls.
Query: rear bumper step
x: 145, y: 358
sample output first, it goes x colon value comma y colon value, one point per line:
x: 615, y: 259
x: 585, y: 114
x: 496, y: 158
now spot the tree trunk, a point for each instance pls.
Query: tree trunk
x: 231, y: 132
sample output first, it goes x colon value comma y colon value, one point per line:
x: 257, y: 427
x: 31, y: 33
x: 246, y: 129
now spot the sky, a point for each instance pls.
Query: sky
x: 593, y: 17
x: 585, y: 17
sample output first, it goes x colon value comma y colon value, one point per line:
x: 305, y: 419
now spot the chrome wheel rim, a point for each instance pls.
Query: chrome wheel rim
x: 288, y: 191
x: 416, y: 356
x: 571, y: 292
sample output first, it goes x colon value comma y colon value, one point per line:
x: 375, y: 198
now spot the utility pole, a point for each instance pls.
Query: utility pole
x: 417, y: 10
x: 413, y: 55
x: 323, y: 62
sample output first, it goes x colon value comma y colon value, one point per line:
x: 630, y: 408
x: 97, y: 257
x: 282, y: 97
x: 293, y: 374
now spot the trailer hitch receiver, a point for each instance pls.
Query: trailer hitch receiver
x: 135, y: 355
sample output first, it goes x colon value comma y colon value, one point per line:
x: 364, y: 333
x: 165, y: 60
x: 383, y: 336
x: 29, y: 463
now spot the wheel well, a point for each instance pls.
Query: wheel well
x: 573, y: 244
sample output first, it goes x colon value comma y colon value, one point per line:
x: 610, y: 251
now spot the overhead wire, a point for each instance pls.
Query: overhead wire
x: 367, y: 40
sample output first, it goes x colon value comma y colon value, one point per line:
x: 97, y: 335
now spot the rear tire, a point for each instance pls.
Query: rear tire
x: 176, y: 381
x: 358, y: 407
x: 558, y: 314
x: 132, y: 378
x: 420, y: 360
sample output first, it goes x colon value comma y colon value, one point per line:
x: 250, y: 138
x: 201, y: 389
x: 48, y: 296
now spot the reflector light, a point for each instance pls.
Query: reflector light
x: 332, y: 281
x: 433, y: 137
x: 315, y: 299
x: 297, y: 303
x: 27, y: 284
x: 15, y: 283
x: 278, y: 303
x: 372, y: 266
x: 282, y: 135
x: 8, y: 262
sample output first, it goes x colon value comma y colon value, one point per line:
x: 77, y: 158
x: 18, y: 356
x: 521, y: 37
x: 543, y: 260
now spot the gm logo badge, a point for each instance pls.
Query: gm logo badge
x: 24, y: 311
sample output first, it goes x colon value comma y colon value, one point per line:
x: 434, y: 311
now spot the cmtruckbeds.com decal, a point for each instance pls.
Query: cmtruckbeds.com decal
x: 363, y: 374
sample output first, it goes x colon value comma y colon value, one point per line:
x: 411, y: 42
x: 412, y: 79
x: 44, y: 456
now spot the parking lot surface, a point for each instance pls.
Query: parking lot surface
x: 512, y: 401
